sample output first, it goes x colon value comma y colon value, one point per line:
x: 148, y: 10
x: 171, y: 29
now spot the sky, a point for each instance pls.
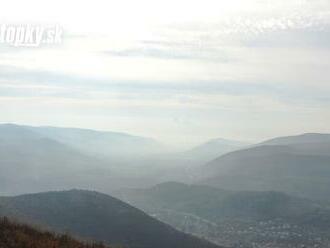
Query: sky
x: 178, y: 71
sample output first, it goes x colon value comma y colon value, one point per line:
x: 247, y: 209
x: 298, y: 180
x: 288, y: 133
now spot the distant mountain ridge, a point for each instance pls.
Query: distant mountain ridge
x: 299, y: 139
x: 298, y: 165
x: 29, y: 160
x: 101, y: 143
x: 97, y: 216
x: 35, y: 159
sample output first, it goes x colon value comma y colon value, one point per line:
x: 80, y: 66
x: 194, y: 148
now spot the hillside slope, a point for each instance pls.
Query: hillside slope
x: 236, y: 219
x: 13, y: 235
x: 31, y: 162
x: 216, y: 204
x: 38, y: 159
x: 97, y: 216
x: 301, y: 169
x: 306, y: 138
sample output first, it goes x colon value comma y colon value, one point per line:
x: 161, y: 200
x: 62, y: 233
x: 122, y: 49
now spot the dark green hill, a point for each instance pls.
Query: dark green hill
x: 97, y: 216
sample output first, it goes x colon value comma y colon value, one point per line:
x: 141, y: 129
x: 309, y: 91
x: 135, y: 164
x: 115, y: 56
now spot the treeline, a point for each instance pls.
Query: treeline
x: 14, y: 235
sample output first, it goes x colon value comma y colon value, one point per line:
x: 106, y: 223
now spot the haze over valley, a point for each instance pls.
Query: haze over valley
x: 165, y: 124
x: 272, y: 192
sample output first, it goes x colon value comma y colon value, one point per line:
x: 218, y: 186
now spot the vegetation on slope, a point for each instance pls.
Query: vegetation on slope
x: 13, y: 235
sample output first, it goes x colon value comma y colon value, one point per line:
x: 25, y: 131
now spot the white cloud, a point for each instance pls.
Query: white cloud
x: 192, y: 68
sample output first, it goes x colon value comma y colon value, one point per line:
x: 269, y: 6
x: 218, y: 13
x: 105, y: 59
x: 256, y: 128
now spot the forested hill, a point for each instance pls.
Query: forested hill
x: 96, y: 216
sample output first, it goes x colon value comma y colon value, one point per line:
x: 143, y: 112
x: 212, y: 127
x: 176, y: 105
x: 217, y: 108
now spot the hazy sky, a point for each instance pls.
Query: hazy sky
x: 180, y: 71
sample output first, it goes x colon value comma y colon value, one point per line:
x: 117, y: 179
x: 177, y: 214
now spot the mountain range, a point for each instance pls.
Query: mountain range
x: 228, y: 192
x: 99, y: 143
x: 35, y: 159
